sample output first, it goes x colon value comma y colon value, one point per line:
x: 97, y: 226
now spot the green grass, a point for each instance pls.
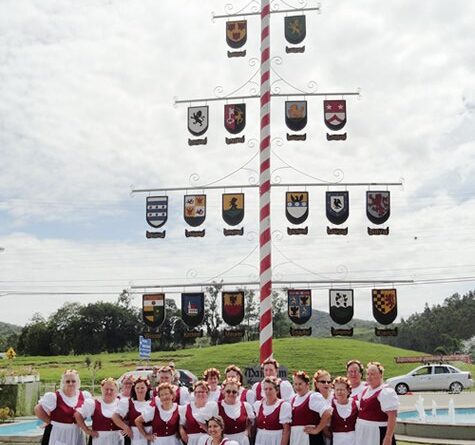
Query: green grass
x: 296, y: 353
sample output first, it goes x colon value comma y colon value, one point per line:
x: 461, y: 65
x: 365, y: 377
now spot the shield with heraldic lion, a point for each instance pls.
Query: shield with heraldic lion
x: 378, y: 206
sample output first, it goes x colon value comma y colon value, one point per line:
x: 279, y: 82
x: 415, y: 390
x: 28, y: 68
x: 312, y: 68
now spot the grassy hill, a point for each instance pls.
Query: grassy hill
x: 321, y: 324
x: 309, y: 354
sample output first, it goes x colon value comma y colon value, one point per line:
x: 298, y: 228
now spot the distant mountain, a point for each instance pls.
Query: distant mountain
x: 8, y: 330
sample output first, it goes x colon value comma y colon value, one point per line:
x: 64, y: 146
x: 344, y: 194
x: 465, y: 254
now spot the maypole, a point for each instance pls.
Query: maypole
x: 265, y: 318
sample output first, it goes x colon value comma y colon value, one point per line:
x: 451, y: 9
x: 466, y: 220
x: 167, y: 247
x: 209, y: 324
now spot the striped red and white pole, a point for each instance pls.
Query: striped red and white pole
x: 265, y: 318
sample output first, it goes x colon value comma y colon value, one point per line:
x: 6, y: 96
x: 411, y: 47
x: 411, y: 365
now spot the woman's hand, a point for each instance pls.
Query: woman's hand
x: 310, y: 429
x: 93, y: 433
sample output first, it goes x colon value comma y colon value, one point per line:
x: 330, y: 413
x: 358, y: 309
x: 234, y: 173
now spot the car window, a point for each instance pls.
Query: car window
x: 453, y: 370
x: 423, y: 371
x: 441, y: 370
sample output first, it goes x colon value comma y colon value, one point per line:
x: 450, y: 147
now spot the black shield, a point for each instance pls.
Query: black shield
x: 296, y: 114
x: 338, y: 207
x: 295, y: 29
x: 232, y: 307
x: 157, y: 210
x: 235, y: 117
x: 198, y: 120
x: 193, y: 308
x: 335, y: 114
x: 299, y: 305
x: 296, y: 207
x: 384, y: 305
x: 194, y: 210
x: 236, y: 33
x: 153, y: 309
x: 341, y: 305
x: 378, y: 206
x: 233, y: 208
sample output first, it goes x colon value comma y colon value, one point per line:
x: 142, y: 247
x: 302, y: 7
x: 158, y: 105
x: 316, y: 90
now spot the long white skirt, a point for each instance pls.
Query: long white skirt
x: 66, y: 434
x: 368, y: 432
x: 108, y: 438
x: 268, y: 437
x: 240, y: 438
x: 194, y: 439
x: 167, y: 440
x: 299, y: 437
x: 348, y: 438
x: 138, y: 438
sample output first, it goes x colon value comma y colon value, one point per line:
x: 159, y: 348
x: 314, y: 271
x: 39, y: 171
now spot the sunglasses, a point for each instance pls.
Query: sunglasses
x: 70, y: 381
x: 324, y: 381
x: 231, y: 391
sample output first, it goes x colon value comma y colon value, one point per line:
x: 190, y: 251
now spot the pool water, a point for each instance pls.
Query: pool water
x: 22, y: 428
x: 462, y: 416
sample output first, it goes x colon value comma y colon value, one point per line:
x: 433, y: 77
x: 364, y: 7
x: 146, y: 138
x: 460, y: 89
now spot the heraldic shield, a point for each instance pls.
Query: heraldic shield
x: 195, y: 209
x: 378, y: 206
x: 198, y: 120
x: 157, y: 210
x: 335, y: 114
x: 193, y: 308
x: 233, y: 208
x: 384, y: 305
x: 295, y: 29
x: 153, y: 309
x: 233, y: 307
x: 338, y: 207
x: 235, y: 117
x: 341, y: 305
x: 299, y: 305
x: 296, y: 207
x: 296, y: 114
x: 236, y: 33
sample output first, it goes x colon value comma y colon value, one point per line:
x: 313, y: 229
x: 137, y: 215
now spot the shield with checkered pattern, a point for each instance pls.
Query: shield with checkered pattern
x: 384, y: 305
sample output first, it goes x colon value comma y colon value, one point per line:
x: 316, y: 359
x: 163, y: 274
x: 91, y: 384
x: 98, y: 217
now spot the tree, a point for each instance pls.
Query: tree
x: 213, y: 320
x: 251, y: 315
x: 35, y: 337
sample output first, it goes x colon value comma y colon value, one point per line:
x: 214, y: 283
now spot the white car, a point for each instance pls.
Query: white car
x: 432, y: 377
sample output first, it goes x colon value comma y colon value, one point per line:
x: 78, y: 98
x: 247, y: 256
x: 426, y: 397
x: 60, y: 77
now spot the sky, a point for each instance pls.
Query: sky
x: 87, y: 114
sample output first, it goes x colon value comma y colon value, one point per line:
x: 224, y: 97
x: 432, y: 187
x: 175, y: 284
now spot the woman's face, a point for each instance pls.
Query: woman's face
x: 353, y: 373
x: 109, y: 392
x: 166, y: 396
x: 126, y: 387
x: 70, y: 383
x: 269, y: 370
x: 213, y: 381
x: 341, y: 393
x: 214, y: 429
x: 270, y: 392
x: 300, y: 386
x: 201, y: 395
x: 165, y: 377
x: 233, y: 375
x: 230, y: 393
x: 373, y: 376
x: 141, y: 390
x: 324, y: 384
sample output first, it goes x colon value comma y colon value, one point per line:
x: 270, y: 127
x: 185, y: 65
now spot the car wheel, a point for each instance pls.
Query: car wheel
x: 402, y: 388
x: 456, y: 387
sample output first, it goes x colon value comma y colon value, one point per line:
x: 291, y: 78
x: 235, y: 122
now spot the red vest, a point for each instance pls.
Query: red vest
x: 302, y: 414
x: 242, y: 397
x: 340, y: 425
x: 161, y: 428
x: 259, y: 391
x: 191, y: 425
x: 232, y: 426
x: 101, y: 422
x: 370, y: 408
x: 64, y: 413
x: 133, y: 414
x: 270, y: 422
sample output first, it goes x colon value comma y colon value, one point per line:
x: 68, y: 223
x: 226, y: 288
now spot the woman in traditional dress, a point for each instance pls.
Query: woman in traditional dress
x: 57, y: 409
x: 310, y: 413
x: 378, y: 409
x: 273, y: 416
x: 211, y: 376
x: 167, y: 374
x: 128, y: 409
x: 215, y: 436
x: 354, y: 372
x: 193, y: 415
x: 345, y: 413
x: 245, y: 395
x: 238, y: 416
x: 271, y: 369
x: 322, y: 383
x: 165, y: 418
x: 103, y: 430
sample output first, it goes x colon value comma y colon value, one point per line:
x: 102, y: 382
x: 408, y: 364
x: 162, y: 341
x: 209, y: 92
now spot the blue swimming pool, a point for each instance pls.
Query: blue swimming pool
x: 462, y: 416
x: 22, y: 428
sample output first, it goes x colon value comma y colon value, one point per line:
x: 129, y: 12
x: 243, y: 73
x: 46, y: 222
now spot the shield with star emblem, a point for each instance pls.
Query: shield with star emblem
x: 232, y: 307
x: 296, y: 114
x: 235, y: 117
x: 335, y: 114
x: 341, y: 305
x: 193, y: 308
x: 198, y: 120
x: 236, y: 33
x: 157, y: 210
x: 296, y: 207
x: 338, y: 207
x: 295, y: 29
x: 195, y: 209
x: 233, y: 208
x: 384, y: 305
x: 299, y: 305
x: 153, y: 309
x: 378, y: 206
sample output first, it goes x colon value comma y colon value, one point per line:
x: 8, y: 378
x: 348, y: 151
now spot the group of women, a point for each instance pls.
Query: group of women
x: 340, y: 411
